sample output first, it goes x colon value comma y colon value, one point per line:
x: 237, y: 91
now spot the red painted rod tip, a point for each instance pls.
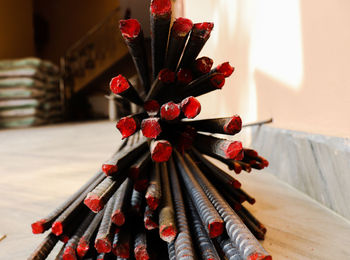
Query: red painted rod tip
x: 103, y: 245
x: 170, y: 111
x: 151, y: 106
x: 184, y: 76
x: 226, y: 69
x: 150, y: 127
x: 57, y: 228
x: 127, y: 126
x: 167, y: 233
x: 182, y: 26
x: 109, y: 169
x: 203, y: 29
x: 166, y: 76
x: 191, y: 107
x: 233, y: 149
x: 141, y: 253
x: 69, y: 254
x: 161, y: 151
x: 218, y: 81
x: 118, y: 218
x: 119, y: 84
x: 204, y: 64
x: 150, y: 224
x: 82, y: 248
x: 130, y: 28
x: 215, y: 229
x: 152, y: 202
x: 161, y: 7
x: 38, y: 227
x: 234, y: 125
x: 94, y: 203
x: 259, y: 256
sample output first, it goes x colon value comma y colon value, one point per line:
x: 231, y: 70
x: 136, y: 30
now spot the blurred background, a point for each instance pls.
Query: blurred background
x: 290, y: 59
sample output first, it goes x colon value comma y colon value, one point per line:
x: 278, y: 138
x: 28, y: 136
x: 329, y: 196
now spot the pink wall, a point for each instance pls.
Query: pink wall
x: 291, y: 58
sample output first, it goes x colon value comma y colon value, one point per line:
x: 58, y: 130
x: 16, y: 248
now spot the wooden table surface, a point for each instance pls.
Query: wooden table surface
x: 40, y: 167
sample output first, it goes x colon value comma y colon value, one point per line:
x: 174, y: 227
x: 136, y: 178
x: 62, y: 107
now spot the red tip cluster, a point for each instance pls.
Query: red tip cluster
x: 161, y: 7
x: 190, y: 107
x: 119, y: 84
x: 130, y: 28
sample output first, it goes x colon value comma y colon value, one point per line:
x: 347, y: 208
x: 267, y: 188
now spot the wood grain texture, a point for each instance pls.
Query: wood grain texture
x: 40, y: 167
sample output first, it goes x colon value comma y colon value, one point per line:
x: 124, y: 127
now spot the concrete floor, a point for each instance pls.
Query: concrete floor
x: 40, y: 167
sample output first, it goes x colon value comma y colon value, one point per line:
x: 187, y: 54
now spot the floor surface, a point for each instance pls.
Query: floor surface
x: 40, y: 167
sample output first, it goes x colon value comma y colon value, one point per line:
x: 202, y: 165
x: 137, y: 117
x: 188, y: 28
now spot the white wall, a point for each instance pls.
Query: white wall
x: 291, y: 58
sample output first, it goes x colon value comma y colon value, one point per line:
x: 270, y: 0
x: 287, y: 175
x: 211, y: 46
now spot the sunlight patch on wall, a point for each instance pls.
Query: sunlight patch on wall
x: 276, y: 41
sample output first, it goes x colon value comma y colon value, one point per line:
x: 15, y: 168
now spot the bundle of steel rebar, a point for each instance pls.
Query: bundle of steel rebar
x: 160, y: 195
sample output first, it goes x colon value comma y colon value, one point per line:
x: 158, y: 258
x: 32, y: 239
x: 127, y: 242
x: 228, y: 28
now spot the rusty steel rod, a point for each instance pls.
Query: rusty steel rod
x: 45, y: 247
x: 154, y: 190
x: 85, y: 240
x: 167, y: 224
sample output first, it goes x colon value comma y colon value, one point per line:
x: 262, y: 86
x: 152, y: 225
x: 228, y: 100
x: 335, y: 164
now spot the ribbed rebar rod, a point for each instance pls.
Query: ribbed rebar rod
x: 84, y: 242
x: 239, y: 234
x: 217, y: 147
x: 69, y: 213
x: 140, y: 246
x: 123, y: 195
x: 136, y: 202
x: 183, y: 242
x: 103, y: 241
x: 171, y: 251
x: 224, y: 125
x: 154, y: 190
x: 167, y: 224
x: 45, y: 247
x: 231, y: 252
x: 150, y: 219
x: 204, y: 244
x: 121, y: 243
x: 210, y: 217
x: 71, y: 246
x: 213, y: 171
x: 46, y: 222
x: 121, y: 160
x: 133, y: 36
x: 98, y: 197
